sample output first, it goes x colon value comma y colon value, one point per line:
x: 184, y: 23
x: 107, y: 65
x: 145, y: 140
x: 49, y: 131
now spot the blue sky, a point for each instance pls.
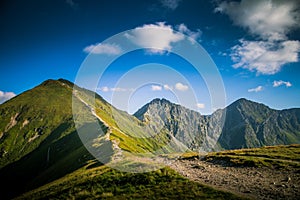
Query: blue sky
x: 254, y: 45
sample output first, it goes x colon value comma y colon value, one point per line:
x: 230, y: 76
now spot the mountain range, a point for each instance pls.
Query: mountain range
x: 57, y: 127
x: 243, y: 124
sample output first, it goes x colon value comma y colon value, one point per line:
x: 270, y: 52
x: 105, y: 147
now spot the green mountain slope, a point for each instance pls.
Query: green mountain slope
x: 39, y: 142
x: 28, y: 119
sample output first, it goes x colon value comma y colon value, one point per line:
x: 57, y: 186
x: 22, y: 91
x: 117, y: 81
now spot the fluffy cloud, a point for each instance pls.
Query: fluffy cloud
x: 160, y: 37
x: 194, y: 35
x: 178, y: 86
x: 271, y: 20
x: 181, y: 87
x: 167, y: 87
x: 116, y: 89
x: 156, y: 87
x: 4, y: 96
x: 104, y: 89
x: 257, y: 89
x: 170, y: 4
x: 265, y: 57
x: 200, y: 105
x: 108, y: 49
x: 279, y: 83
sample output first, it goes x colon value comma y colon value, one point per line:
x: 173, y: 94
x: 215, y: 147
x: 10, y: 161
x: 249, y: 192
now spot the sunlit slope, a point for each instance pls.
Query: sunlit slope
x: 277, y: 157
x: 30, y: 118
x: 39, y: 142
x: 131, y: 134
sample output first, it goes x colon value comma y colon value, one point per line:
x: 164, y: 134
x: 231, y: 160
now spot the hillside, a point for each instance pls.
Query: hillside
x: 40, y: 141
x: 53, y: 132
x: 106, y: 183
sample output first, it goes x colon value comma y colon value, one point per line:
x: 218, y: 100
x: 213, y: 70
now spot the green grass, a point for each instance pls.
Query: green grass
x: 105, y: 183
x: 281, y: 156
x: 49, y: 107
x: 45, y: 107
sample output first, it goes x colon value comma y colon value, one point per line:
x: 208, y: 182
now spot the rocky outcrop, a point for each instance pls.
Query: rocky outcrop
x: 189, y: 127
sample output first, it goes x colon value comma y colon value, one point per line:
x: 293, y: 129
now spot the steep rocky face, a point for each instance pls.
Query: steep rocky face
x: 189, y: 127
x: 162, y: 113
x: 242, y: 124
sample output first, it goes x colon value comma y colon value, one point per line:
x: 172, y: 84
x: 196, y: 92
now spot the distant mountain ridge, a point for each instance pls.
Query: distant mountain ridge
x: 250, y: 124
x: 246, y: 124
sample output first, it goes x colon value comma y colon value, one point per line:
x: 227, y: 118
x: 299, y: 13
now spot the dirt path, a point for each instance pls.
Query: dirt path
x: 118, y: 153
x: 254, y: 183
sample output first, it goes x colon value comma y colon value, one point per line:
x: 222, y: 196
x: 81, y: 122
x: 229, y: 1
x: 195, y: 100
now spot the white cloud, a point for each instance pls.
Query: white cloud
x: 115, y: 89
x: 167, y: 87
x: 108, y: 49
x: 170, y: 4
x: 263, y: 56
x: 200, y: 105
x: 271, y: 20
x: 118, y: 89
x: 194, y: 35
x: 4, y: 96
x: 104, y: 89
x: 257, y: 89
x: 159, y: 37
x: 156, y: 87
x: 279, y: 83
x: 181, y: 87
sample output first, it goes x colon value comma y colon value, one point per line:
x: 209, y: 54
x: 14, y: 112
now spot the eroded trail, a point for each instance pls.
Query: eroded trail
x: 251, y: 182
x: 118, y: 153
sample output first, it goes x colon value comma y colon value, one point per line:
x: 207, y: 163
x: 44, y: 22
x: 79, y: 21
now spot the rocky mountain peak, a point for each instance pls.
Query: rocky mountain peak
x: 160, y: 101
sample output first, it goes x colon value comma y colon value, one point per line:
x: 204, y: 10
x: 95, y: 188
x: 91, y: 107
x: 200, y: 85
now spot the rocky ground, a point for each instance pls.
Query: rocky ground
x: 251, y: 182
